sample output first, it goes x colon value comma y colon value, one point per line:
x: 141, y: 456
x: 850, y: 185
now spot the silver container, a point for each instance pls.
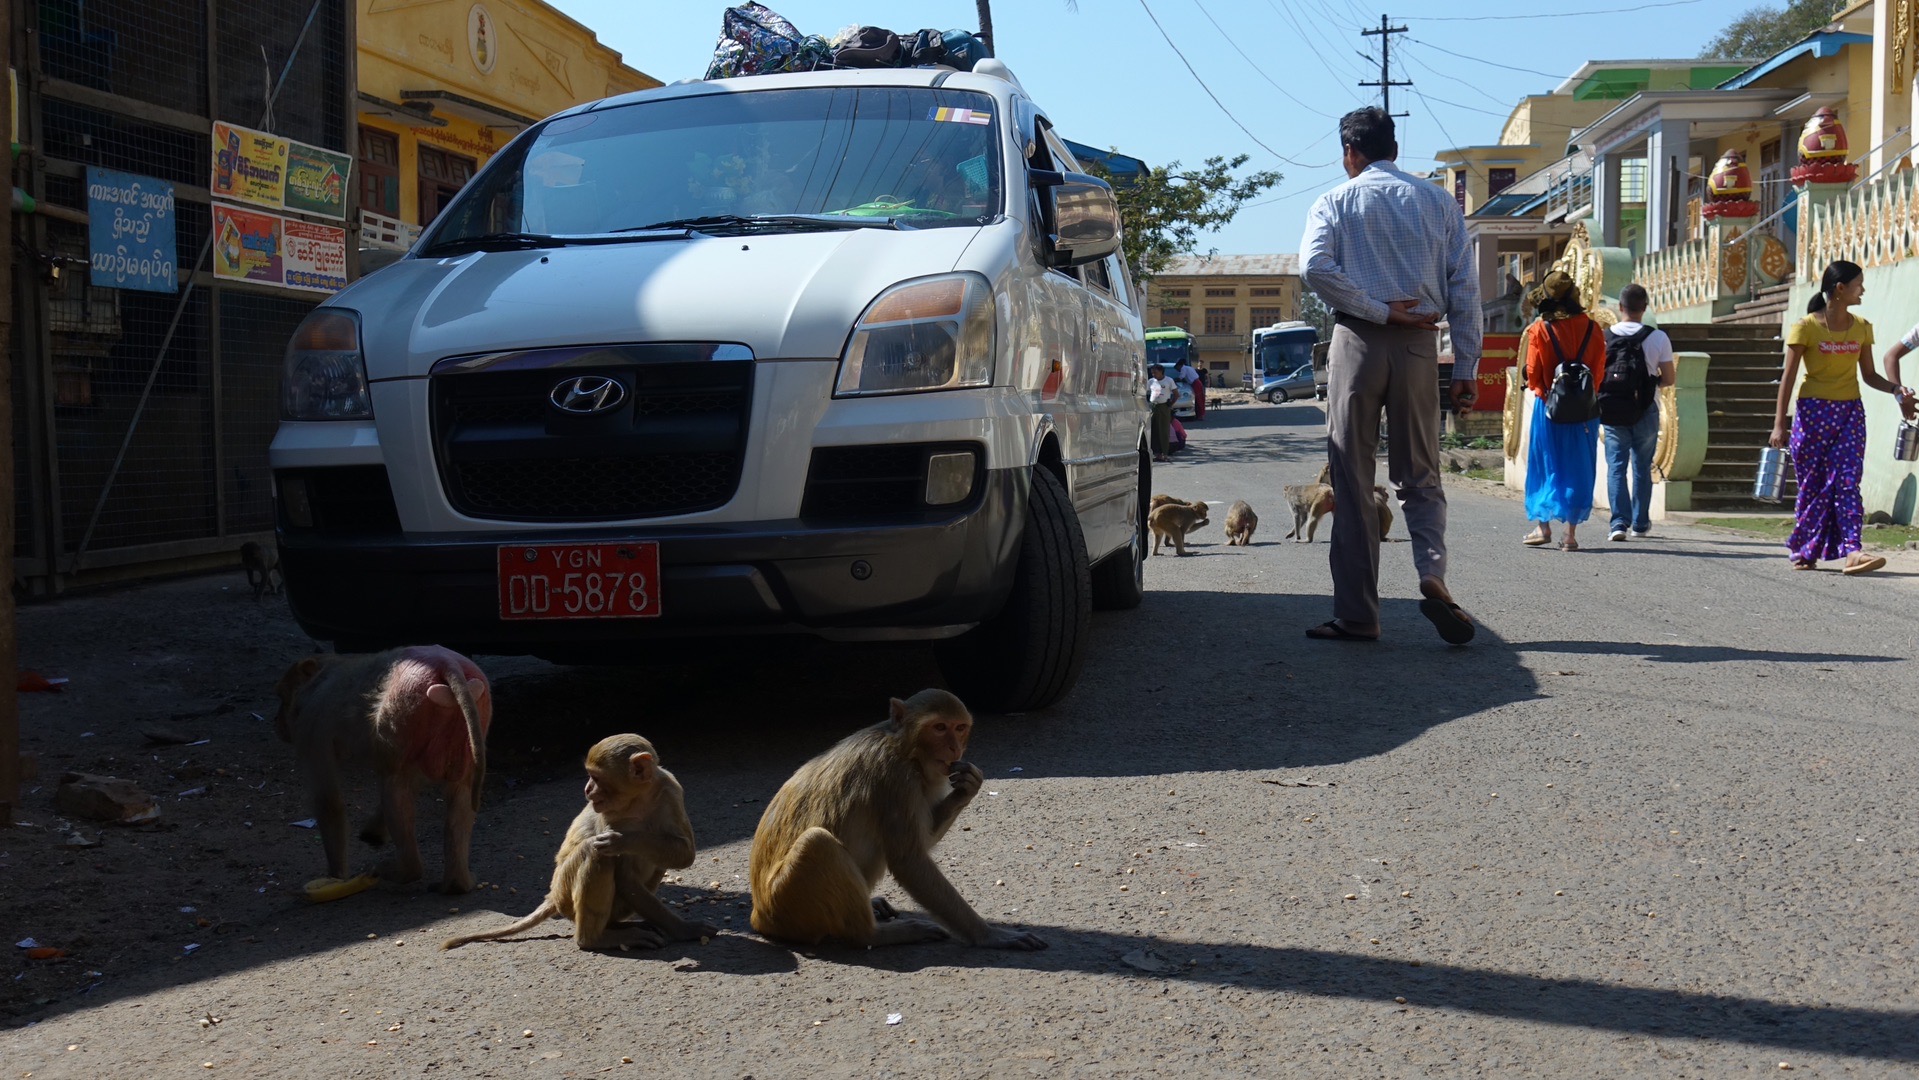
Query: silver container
x: 1772, y: 472
x: 1905, y: 445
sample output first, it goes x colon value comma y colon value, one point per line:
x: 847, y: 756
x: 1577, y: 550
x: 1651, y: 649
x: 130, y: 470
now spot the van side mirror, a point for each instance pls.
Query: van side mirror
x: 1079, y: 216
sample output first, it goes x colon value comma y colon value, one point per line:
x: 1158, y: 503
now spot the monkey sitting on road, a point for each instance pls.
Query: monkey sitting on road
x: 1240, y: 523
x: 413, y: 714
x: 874, y: 804
x: 609, y: 867
x: 262, y: 563
x: 1172, y: 521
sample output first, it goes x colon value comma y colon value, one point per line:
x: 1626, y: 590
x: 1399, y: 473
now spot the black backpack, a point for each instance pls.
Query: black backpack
x: 1571, y: 398
x: 1628, y: 388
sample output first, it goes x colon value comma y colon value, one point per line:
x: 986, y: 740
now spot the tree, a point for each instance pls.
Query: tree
x: 1314, y: 310
x: 1164, y: 210
x: 1763, y: 31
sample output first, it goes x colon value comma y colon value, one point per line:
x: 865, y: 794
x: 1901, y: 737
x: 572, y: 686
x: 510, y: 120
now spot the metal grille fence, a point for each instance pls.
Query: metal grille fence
x: 142, y: 418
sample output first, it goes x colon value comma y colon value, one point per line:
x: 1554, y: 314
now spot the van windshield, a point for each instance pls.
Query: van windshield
x: 762, y: 160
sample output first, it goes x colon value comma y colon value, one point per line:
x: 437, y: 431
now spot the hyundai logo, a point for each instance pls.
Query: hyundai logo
x: 587, y: 395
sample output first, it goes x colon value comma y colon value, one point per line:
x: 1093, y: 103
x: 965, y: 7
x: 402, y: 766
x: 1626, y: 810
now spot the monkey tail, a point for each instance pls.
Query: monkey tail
x: 475, y: 731
x: 545, y: 911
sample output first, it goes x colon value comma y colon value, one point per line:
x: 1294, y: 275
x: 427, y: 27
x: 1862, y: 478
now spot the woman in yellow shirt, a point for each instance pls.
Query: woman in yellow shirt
x: 1828, y: 434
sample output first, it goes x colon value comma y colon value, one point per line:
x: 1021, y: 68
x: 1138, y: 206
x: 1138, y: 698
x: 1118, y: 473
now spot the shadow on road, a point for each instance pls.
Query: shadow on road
x: 1701, y: 654
x: 1882, y: 1035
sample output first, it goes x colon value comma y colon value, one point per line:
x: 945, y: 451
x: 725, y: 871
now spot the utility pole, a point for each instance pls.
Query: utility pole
x: 1385, y: 35
x: 9, y: 642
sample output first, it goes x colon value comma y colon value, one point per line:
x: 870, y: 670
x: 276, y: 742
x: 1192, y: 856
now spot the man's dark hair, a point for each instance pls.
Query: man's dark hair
x: 1633, y: 298
x: 1369, y: 131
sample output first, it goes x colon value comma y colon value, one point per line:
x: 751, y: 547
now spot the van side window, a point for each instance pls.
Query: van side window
x: 1096, y: 276
x: 1116, y: 270
x: 1050, y: 153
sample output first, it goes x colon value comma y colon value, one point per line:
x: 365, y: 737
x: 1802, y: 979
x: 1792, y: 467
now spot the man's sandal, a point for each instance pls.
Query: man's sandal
x: 1330, y: 630
x: 1449, y: 619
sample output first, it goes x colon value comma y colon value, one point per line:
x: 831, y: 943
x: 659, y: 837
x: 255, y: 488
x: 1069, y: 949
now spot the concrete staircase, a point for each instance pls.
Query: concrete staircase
x: 1742, y: 390
x: 1766, y: 308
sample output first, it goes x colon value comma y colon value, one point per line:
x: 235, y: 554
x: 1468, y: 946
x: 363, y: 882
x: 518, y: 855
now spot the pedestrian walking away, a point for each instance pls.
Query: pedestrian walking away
x: 1827, y: 437
x: 1387, y: 252
x: 1563, y: 456
x: 1160, y: 393
x: 1639, y: 361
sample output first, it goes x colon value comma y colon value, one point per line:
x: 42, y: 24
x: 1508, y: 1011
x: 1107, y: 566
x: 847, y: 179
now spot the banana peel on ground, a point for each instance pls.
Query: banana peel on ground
x: 322, y: 889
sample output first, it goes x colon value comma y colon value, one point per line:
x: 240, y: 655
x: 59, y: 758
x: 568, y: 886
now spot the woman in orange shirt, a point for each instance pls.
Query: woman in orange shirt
x: 1562, y: 462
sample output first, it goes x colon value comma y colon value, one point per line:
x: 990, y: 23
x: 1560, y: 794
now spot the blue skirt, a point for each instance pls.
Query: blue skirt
x: 1560, y: 468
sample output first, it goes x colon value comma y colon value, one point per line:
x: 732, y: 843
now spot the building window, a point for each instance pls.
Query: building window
x: 1459, y: 187
x: 1180, y: 293
x: 379, y: 168
x: 1222, y: 292
x: 1177, y: 316
x: 1498, y: 180
x: 441, y: 177
x: 1632, y: 180
x: 1267, y: 316
x: 1220, y: 320
x: 1262, y: 291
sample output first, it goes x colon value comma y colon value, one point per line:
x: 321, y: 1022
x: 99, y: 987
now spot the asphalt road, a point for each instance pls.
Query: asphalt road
x: 1658, y: 820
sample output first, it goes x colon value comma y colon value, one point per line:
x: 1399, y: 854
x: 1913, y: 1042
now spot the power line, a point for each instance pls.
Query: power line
x: 1475, y: 88
x: 1552, y: 15
x: 1215, y: 97
x: 1507, y: 115
x: 1441, y: 125
x: 1254, y: 66
x: 1488, y: 63
x: 1309, y: 31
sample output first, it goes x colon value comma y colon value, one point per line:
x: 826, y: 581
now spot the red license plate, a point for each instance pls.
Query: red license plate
x: 580, y: 581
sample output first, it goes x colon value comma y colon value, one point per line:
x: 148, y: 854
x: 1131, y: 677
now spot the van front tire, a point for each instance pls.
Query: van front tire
x: 1030, y: 654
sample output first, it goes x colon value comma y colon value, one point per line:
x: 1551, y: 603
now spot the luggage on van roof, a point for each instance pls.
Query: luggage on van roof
x: 756, y: 40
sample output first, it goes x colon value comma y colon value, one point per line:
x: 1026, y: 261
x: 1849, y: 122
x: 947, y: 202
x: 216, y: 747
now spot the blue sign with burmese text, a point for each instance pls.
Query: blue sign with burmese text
x: 130, y: 227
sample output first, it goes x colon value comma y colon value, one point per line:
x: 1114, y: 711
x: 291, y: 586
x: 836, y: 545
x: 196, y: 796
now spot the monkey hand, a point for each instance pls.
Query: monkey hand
x: 606, y: 845
x: 966, y: 779
x: 1015, y: 940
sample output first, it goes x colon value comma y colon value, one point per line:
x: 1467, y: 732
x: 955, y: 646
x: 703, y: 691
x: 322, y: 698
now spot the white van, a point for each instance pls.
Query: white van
x: 844, y: 354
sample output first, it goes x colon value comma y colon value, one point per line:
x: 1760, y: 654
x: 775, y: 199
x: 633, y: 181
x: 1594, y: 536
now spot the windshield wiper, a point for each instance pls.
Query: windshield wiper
x: 494, y: 241
x: 714, y: 223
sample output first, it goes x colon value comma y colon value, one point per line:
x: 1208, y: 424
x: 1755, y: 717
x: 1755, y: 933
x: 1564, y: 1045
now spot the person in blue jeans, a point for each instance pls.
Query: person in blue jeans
x: 1631, y: 446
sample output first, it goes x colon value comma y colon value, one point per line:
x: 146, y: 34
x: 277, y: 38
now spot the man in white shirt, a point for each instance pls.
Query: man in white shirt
x: 1161, y: 392
x: 1908, y: 399
x: 1631, y: 446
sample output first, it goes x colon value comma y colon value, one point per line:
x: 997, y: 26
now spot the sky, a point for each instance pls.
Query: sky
x: 1282, y: 71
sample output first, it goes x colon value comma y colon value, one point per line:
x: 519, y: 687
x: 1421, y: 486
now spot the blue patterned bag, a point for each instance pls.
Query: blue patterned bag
x: 756, y: 40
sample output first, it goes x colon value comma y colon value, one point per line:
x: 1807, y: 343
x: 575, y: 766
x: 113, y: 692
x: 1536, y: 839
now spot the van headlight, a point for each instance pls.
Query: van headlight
x: 325, y: 376
x: 930, y: 334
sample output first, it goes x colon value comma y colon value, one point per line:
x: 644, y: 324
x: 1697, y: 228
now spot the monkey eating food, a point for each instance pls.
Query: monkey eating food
x: 1240, y: 523
x: 1172, y: 521
x: 412, y: 715
x: 876, y: 803
x: 609, y: 867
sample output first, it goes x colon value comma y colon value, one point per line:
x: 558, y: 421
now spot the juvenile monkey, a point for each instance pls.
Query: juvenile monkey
x: 1312, y: 501
x: 1240, y: 523
x: 262, y: 564
x: 413, y: 714
x: 874, y: 804
x: 1172, y: 521
x: 1159, y: 501
x: 632, y: 831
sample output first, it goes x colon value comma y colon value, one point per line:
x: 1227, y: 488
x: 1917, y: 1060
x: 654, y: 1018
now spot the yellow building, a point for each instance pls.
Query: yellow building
x: 443, y: 84
x: 1221, y: 300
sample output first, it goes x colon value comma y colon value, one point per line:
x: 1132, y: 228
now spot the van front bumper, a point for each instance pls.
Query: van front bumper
x: 923, y: 576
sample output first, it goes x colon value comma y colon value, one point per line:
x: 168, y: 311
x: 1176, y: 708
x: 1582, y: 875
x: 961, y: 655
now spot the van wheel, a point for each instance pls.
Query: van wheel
x: 1119, y: 581
x: 1029, y: 655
